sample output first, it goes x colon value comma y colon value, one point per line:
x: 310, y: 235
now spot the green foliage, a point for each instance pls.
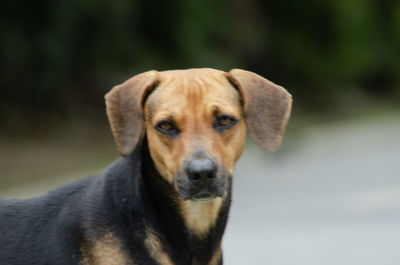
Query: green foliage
x: 60, y: 57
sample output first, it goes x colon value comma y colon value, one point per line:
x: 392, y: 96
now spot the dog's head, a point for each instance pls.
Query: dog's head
x: 195, y: 122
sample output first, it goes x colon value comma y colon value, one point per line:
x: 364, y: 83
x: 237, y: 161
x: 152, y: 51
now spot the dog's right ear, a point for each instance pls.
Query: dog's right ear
x: 124, y: 105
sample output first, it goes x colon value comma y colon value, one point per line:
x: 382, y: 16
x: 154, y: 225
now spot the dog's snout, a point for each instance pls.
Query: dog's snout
x: 201, y: 171
x: 202, y: 179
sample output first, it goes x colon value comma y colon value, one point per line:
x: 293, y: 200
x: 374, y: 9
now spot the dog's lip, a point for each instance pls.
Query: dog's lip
x: 204, y: 196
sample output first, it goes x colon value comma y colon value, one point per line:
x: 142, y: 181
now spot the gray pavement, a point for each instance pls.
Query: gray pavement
x: 331, y: 197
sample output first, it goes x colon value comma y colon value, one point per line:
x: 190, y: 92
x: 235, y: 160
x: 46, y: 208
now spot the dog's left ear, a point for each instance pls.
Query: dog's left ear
x: 124, y: 104
x: 266, y: 106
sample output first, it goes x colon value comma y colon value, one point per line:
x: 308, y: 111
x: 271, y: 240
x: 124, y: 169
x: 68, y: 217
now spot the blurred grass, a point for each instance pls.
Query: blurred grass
x: 77, y: 147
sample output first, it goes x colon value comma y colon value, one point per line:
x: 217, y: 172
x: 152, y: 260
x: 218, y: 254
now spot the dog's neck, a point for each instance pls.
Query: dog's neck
x: 188, y: 227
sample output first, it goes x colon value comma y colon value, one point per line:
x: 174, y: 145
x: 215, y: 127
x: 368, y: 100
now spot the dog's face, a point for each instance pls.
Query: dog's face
x: 196, y: 131
x: 195, y: 122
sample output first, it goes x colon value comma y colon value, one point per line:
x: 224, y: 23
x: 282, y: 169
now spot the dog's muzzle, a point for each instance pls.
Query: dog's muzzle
x: 201, y: 180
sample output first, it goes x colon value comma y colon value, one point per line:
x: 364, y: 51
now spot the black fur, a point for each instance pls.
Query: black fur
x: 126, y: 196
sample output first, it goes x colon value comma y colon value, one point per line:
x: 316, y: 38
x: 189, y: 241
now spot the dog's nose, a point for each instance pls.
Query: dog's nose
x: 201, y: 171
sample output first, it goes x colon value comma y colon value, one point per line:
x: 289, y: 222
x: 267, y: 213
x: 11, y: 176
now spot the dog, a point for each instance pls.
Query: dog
x: 166, y: 200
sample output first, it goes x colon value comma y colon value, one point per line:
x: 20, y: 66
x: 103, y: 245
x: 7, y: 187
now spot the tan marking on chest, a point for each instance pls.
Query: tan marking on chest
x: 156, y: 249
x: 199, y: 217
x: 104, y: 251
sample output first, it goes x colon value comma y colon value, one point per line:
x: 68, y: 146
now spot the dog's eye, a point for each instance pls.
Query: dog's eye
x: 224, y: 122
x: 167, y: 127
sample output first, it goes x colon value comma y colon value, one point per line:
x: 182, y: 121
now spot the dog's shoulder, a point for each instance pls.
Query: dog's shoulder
x: 57, y: 221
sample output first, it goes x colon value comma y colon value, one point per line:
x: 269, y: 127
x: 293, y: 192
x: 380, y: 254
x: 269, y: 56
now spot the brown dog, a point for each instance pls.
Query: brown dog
x: 166, y: 202
x: 195, y: 122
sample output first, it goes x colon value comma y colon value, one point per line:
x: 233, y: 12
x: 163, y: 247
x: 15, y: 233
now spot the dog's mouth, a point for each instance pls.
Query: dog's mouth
x: 204, y: 196
x: 187, y: 191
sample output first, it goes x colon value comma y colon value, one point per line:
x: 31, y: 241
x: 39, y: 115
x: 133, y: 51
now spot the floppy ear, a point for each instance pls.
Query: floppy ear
x: 124, y: 105
x: 266, y: 106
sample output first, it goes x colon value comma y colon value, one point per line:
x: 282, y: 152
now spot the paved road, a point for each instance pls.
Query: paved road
x: 330, y: 196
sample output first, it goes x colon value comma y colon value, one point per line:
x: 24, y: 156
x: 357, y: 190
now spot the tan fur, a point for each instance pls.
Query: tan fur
x: 155, y: 248
x: 193, y: 100
x: 192, y: 97
x: 200, y: 216
x: 104, y: 251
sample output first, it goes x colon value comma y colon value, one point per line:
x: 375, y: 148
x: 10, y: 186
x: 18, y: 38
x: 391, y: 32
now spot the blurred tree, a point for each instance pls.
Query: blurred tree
x: 328, y: 49
x: 58, y: 58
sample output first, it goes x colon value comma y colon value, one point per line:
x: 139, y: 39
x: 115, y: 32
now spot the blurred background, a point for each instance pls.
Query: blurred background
x: 331, y: 195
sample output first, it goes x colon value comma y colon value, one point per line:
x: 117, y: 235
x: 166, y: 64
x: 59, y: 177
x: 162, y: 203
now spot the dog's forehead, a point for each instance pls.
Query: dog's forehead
x: 183, y: 88
x: 203, y: 80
